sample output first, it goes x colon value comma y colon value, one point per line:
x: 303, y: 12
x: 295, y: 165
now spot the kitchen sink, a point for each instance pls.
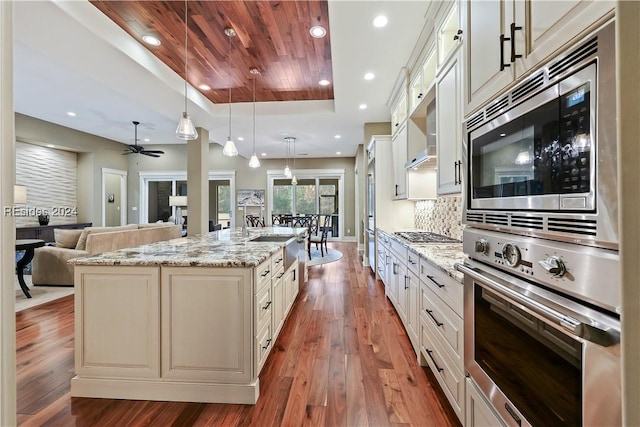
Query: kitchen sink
x: 271, y: 238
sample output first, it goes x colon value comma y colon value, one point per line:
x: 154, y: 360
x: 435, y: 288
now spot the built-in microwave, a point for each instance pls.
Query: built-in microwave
x: 541, y: 158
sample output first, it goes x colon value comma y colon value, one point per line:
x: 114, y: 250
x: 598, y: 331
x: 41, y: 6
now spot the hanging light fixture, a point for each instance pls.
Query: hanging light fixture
x: 253, y: 161
x: 294, y: 180
x: 287, y: 171
x: 186, y: 130
x: 230, y: 148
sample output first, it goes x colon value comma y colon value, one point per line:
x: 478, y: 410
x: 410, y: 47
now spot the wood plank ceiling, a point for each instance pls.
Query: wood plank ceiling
x: 272, y: 36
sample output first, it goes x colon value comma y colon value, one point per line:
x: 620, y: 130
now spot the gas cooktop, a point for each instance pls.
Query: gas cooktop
x: 425, y: 237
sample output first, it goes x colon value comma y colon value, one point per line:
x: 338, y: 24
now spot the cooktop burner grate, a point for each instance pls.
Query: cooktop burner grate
x: 425, y: 237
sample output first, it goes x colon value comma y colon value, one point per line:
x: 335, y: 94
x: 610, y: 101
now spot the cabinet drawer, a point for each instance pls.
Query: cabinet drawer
x: 399, y: 250
x: 448, y: 289
x: 444, y: 322
x: 448, y: 375
x: 277, y: 261
x: 263, y: 303
x: 413, y: 262
x: 263, y: 343
x: 263, y: 275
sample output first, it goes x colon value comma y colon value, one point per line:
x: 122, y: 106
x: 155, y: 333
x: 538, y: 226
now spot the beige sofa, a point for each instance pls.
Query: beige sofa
x: 50, y: 267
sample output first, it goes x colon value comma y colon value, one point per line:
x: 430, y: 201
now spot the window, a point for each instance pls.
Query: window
x: 282, y: 196
x: 306, y: 197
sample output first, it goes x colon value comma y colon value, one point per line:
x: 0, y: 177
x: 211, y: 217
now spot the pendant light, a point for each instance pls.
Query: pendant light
x: 287, y: 171
x: 230, y: 148
x: 253, y: 161
x: 294, y: 180
x: 186, y: 130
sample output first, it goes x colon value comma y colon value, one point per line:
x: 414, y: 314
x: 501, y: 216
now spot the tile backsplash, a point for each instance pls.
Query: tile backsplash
x: 442, y: 215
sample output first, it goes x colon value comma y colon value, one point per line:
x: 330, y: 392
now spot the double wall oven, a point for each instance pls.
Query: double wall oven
x: 542, y: 279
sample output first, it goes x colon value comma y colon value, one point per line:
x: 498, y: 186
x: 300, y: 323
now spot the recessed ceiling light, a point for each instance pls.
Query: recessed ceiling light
x: 369, y: 76
x: 240, y: 138
x: 71, y: 114
x: 264, y: 154
x: 146, y: 140
x: 204, y: 87
x: 338, y: 136
x: 324, y: 82
x: 363, y: 106
x: 318, y: 31
x: 380, y: 21
x: 151, y: 40
x: 338, y: 153
x: 51, y: 146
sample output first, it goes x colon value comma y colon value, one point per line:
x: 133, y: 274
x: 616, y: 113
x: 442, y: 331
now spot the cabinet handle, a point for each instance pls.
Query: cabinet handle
x: 266, y: 346
x: 430, y: 313
x: 514, y: 56
x: 502, y: 40
x: 266, y: 272
x: 430, y: 353
x: 280, y: 275
x: 412, y: 262
x: 267, y: 306
x: 397, y: 124
x: 294, y: 275
x: 511, y: 412
x: 405, y: 282
x: 279, y: 260
x: 420, y: 95
x: 458, y: 35
x: 395, y: 271
x: 434, y: 281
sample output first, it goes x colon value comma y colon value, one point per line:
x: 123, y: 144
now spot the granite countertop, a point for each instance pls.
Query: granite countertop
x: 224, y: 248
x: 440, y: 255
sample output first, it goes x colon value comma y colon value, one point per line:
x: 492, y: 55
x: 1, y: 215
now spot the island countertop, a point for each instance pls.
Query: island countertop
x: 224, y: 248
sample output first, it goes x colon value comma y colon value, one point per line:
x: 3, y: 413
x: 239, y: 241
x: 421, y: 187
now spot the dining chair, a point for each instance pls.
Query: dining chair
x: 322, y: 238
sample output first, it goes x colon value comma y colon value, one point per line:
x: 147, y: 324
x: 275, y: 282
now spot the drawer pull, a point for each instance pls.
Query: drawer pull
x: 279, y: 260
x: 412, y: 262
x: 405, y: 282
x: 280, y: 275
x: 434, y: 281
x: 430, y: 353
x: 265, y: 274
x: 267, y: 306
x: 430, y: 313
x: 264, y: 347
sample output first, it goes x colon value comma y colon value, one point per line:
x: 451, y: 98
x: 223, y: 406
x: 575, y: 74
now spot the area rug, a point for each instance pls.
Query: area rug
x: 329, y: 256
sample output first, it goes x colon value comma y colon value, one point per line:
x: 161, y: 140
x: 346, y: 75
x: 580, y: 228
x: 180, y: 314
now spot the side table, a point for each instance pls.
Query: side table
x: 28, y: 246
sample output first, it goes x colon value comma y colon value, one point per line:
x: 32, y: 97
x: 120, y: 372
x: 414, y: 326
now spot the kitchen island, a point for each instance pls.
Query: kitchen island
x: 190, y: 319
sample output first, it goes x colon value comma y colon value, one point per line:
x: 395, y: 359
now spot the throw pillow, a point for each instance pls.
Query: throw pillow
x: 66, y: 238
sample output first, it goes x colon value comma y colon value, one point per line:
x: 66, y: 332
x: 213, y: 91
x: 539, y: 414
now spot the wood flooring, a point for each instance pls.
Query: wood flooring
x: 342, y: 359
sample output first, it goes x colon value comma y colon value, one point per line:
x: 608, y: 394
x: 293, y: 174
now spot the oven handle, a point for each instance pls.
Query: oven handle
x: 580, y: 329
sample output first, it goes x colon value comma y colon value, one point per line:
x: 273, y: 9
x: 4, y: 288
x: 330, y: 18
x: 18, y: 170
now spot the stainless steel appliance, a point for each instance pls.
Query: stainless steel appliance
x: 542, y: 281
x: 542, y: 158
x: 542, y: 330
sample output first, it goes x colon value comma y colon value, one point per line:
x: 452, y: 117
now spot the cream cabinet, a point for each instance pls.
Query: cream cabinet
x: 508, y: 38
x: 478, y: 412
x: 449, y: 125
x: 399, y: 111
x: 175, y: 333
x: 422, y: 80
x: 399, y: 156
x: 449, y: 32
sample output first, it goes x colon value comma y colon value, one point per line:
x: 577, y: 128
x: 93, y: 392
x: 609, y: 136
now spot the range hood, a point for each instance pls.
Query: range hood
x: 424, y: 159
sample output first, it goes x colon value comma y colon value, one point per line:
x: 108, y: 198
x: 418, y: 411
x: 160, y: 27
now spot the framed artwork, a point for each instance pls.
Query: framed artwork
x: 111, y: 197
x: 251, y: 197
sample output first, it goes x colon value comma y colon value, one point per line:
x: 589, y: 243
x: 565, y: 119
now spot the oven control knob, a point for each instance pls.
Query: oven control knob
x: 482, y: 246
x: 554, y: 265
x: 511, y: 255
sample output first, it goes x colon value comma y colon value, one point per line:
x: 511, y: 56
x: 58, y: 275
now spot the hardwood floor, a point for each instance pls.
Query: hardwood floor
x: 342, y: 359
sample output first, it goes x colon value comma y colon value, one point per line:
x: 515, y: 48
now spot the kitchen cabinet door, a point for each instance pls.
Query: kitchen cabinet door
x: 488, y: 23
x: 279, y: 303
x: 399, y: 147
x: 478, y: 413
x: 448, y: 127
x: 413, y: 307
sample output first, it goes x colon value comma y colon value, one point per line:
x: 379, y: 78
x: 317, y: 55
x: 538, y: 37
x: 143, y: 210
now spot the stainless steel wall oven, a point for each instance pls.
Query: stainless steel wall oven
x: 542, y: 281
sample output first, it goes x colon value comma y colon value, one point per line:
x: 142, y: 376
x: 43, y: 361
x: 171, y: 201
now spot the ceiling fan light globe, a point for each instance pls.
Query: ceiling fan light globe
x: 186, y: 130
x: 230, y: 149
x: 254, y: 162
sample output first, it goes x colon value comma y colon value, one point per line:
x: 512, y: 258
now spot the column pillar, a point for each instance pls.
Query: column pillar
x: 198, y: 184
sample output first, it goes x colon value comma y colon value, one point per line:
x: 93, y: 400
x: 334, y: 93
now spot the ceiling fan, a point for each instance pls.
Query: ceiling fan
x: 139, y: 149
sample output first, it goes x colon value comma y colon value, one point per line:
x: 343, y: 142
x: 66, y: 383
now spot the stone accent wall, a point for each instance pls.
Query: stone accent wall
x: 442, y: 216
